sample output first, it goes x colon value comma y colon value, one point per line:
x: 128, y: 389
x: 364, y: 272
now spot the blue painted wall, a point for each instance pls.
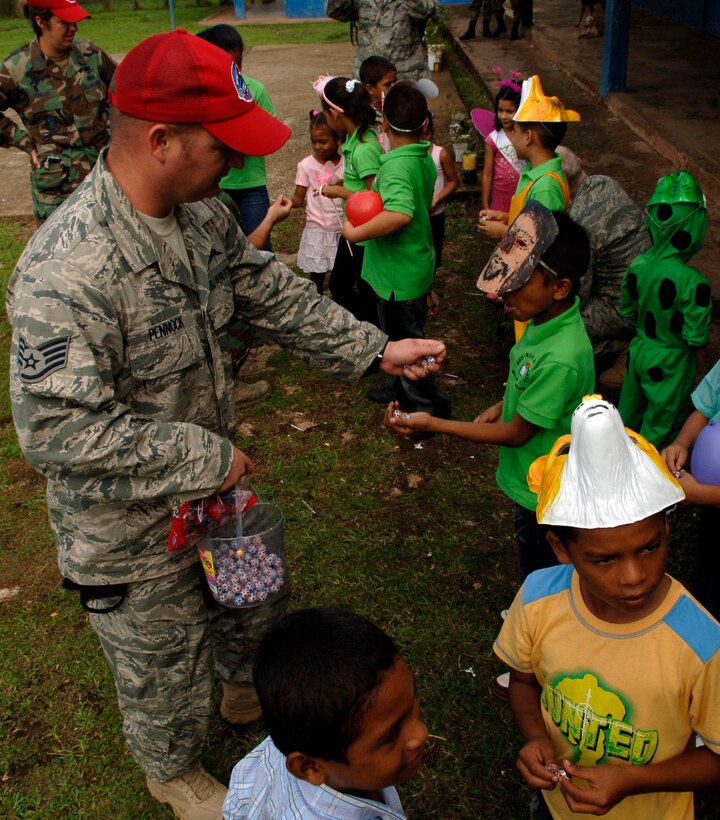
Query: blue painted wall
x: 305, y: 8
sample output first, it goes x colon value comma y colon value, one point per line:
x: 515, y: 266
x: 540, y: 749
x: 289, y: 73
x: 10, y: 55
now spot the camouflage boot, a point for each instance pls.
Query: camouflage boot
x: 196, y: 795
x: 240, y: 704
x: 247, y: 394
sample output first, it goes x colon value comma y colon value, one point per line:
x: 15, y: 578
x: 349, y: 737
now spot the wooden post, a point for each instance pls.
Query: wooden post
x: 615, y: 47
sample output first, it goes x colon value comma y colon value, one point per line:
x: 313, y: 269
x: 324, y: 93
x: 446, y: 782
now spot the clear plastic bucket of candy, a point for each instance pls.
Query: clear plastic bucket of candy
x: 244, y: 562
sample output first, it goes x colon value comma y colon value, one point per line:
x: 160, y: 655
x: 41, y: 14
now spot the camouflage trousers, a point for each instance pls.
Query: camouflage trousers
x: 605, y: 326
x: 58, y: 176
x: 165, y: 645
x: 489, y: 8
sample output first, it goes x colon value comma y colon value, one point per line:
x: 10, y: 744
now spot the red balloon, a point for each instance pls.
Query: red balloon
x: 362, y: 206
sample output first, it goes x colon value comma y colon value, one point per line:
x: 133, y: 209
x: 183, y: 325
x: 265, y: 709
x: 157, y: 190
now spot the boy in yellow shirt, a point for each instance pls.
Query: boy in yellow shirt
x: 614, y: 665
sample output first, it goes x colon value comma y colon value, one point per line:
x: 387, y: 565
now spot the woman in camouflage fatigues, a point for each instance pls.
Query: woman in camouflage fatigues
x: 58, y: 90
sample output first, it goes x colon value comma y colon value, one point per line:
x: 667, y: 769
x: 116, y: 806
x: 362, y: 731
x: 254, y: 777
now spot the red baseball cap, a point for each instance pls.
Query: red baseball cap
x: 179, y: 78
x: 69, y: 11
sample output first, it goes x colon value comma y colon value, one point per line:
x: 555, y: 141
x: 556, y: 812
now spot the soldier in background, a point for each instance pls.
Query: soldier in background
x: 122, y: 389
x: 388, y: 28
x: 488, y: 8
x: 58, y: 89
x: 617, y: 232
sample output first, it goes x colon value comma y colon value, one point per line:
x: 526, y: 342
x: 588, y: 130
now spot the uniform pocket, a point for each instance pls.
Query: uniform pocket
x: 164, y: 349
x: 52, y: 177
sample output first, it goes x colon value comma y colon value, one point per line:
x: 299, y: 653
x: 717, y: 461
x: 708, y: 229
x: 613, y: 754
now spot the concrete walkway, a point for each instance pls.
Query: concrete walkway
x: 668, y: 119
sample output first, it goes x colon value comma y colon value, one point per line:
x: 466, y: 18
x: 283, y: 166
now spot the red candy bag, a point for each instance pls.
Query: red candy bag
x: 193, y: 520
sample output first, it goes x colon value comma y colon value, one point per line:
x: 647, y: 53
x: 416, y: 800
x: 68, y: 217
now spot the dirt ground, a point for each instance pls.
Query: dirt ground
x: 288, y: 73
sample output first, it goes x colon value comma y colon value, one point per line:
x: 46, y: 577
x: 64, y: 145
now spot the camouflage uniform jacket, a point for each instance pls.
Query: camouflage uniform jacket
x: 121, y: 382
x: 60, y: 108
x: 617, y: 232
x: 394, y: 29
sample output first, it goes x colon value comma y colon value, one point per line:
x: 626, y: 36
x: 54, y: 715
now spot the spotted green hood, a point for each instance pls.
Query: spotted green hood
x: 676, y: 217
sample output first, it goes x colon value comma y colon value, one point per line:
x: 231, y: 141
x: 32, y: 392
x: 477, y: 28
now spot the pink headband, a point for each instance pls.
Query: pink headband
x: 321, y: 82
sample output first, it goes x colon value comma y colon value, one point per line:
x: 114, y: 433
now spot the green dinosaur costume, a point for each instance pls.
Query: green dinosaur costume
x: 670, y: 303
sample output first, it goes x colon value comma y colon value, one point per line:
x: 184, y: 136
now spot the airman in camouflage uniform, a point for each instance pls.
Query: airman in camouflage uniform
x: 618, y: 235
x: 392, y: 29
x: 62, y: 104
x: 122, y: 392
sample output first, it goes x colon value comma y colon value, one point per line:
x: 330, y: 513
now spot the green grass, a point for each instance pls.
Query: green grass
x: 118, y: 30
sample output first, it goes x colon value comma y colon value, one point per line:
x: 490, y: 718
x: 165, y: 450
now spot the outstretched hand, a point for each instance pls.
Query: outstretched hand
x: 405, y: 424
x: 280, y: 209
x: 412, y: 358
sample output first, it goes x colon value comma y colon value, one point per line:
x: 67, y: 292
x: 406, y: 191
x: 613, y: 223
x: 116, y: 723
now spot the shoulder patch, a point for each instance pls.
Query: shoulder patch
x: 37, y: 363
x: 699, y: 631
x: 546, y: 582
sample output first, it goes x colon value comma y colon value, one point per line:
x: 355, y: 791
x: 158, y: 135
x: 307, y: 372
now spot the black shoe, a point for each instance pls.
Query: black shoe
x: 381, y: 395
x: 469, y: 33
x: 502, y: 28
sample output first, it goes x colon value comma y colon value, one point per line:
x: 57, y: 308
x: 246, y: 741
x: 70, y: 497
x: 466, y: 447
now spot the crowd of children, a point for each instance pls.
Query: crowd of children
x: 614, y: 666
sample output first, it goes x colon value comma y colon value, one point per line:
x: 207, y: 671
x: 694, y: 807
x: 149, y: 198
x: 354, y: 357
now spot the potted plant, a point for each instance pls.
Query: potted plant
x: 460, y: 134
x: 435, y: 41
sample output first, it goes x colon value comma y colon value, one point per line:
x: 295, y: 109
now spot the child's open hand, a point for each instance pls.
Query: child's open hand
x: 535, y: 761
x: 606, y: 787
x: 404, y: 424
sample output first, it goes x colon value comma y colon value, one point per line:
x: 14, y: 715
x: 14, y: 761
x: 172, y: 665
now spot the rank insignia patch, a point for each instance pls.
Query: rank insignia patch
x: 36, y: 363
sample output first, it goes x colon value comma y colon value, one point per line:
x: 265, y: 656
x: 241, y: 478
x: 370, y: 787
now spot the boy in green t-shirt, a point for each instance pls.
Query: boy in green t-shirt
x: 536, y: 269
x: 399, y: 263
x: 246, y: 186
x: 539, y: 126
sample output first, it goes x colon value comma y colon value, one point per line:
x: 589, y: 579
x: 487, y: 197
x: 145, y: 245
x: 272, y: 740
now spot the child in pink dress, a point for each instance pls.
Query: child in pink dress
x: 323, y: 216
x: 501, y: 169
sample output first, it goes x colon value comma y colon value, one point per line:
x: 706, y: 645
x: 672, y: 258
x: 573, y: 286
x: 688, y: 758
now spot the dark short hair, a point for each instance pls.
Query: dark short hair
x: 565, y: 535
x: 569, y: 254
x: 550, y: 134
x: 223, y: 36
x: 30, y: 12
x: 319, y: 120
x: 405, y: 109
x: 373, y: 69
x: 316, y: 672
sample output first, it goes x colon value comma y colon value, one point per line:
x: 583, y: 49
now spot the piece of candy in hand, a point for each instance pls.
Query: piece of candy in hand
x: 561, y: 773
x: 400, y: 415
x: 428, y: 360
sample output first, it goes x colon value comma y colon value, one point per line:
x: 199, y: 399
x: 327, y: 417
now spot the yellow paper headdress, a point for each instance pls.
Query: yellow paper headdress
x: 602, y: 474
x: 536, y: 107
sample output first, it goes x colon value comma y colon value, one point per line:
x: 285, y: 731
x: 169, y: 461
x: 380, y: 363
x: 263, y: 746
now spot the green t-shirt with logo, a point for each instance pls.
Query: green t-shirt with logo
x: 253, y: 174
x: 403, y: 263
x: 362, y: 159
x: 551, y: 369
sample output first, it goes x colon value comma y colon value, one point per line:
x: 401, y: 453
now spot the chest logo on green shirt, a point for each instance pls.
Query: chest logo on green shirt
x: 521, y: 373
x: 595, y: 721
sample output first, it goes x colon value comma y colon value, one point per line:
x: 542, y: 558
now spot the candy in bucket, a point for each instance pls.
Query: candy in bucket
x: 193, y: 520
x: 244, y: 561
